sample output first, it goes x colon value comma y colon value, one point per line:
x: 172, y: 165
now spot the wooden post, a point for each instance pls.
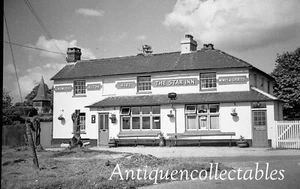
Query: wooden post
x: 29, y: 126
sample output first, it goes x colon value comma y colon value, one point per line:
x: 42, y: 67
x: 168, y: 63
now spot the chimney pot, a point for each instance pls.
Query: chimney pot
x: 73, y: 54
x: 210, y: 46
x: 188, y: 44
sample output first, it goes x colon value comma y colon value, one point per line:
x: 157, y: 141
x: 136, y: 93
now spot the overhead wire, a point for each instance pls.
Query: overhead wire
x: 42, y: 25
x: 13, y: 57
x: 38, y: 49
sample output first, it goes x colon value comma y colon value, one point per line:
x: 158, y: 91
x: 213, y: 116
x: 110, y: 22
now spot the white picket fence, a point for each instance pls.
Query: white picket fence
x: 287, y: 134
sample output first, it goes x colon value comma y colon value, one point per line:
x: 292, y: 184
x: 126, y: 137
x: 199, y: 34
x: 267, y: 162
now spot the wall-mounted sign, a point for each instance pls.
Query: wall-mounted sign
x: 63, y: 88
x: 125, y: 85
x: 93, y: 119
x: 175, y: 82
x: 232, y: 80
x: 260, y: 128
x: 93, y: 87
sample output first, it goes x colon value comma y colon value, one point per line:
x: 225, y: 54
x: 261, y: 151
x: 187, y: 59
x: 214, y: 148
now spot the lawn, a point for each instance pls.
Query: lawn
x: 85, y: 168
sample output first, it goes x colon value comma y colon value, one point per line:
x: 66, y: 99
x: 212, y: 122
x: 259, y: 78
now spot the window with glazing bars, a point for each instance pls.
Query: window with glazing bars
x: 82, y: 121
x: 140, y: 118
x: 202, y: 117
x: 79, y: 87
x: 144, y: 83
x: 208, y: 81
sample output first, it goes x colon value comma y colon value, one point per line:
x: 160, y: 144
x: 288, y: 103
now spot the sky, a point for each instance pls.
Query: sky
x: 252, y: 30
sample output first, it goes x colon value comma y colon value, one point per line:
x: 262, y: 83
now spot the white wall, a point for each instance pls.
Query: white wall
x: 65, y: 103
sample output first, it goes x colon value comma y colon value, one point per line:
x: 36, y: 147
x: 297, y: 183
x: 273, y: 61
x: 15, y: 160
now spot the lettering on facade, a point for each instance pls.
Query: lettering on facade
x: 125, y: 85
x: 260, y: 128
x: 93, y: 87
x: 63, y: 88
x: 175, y: 82
x: 232, y: 80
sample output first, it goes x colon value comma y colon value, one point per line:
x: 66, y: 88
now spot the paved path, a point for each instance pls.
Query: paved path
x: 202, y: 151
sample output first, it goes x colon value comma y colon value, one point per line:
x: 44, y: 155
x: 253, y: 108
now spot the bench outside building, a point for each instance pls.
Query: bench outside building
x: 193, y: 97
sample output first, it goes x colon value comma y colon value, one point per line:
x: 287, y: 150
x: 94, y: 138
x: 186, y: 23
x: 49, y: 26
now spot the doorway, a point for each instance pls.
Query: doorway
x: 259, y: 122
x: 103, y: 136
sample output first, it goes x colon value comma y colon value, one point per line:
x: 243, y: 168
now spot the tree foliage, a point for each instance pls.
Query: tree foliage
x: 6, y: 99
x: 287, y: 86
x: 13, y: 114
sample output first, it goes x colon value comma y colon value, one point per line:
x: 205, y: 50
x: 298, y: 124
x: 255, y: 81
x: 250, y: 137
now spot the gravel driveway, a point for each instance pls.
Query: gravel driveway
x: 203, y: 151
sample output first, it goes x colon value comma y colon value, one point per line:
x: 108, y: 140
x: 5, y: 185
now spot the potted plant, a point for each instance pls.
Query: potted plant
x: 61, y: 117
x: 234, y: 113
x: 242, y: 143
x: 112, y: 143
x: 170, y: 114
x: 113, y: 118
x: 162, y: 139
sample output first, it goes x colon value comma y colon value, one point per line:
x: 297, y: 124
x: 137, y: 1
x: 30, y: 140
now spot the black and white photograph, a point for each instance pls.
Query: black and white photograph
x: 151, y: 94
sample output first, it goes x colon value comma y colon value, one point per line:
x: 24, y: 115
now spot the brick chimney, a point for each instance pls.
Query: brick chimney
x: 209, y: 46
x: 188, y: 44
x: 73, y: 54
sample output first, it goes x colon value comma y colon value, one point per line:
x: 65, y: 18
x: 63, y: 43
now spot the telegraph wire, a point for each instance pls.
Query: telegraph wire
x: 26, y: 46
x: 42, y: 25
x: 39, y: 49
x: 13, y: 58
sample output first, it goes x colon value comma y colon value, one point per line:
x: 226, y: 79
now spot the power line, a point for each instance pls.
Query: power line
x: 13, y: 58
x: 39, y: 49
x: 42, y: 25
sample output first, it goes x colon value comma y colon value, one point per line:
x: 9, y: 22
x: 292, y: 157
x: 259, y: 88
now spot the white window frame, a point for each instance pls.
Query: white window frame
x: 143, y: 85
x: 198, y: 115
x: 140, y: 115
x: 79, y: 87
x: 205, y: 82
x: 82, y: 121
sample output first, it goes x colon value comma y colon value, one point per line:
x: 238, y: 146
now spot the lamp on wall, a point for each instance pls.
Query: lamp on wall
x: 234, y: 113
x: 113, y: 118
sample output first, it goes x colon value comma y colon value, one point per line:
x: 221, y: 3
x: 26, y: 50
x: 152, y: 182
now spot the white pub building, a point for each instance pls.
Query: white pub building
x: 192, y: 97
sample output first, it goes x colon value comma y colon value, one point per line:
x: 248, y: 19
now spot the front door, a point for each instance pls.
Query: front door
x: 260, y: 135
x: 103, y: 130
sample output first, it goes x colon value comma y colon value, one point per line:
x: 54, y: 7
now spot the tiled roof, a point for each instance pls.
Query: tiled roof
x: 41, y: 93
x: 191, y: 98
x: 198, y: 60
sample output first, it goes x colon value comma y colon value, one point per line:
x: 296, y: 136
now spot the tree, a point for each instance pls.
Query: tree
x: 6, y: 104
x: 6, y: 99
x: 287, y: 86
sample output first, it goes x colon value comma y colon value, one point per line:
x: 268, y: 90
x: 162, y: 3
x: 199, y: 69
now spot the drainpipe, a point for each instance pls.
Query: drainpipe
x: 173, y: 96
x: 175, y: 123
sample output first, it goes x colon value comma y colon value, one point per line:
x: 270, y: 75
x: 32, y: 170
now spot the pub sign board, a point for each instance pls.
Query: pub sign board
x: 175, y: 82
x: 126, y: 85
x: 93, y: 87
x: 63, y: 88
x: 232, y: 80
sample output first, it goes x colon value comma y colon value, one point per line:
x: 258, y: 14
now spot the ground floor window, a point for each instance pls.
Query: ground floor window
x: 82, y: 121
x: 140, y: 118
x: 202, y: 117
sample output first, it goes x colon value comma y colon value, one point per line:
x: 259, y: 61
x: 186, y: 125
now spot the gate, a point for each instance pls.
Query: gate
x: 287, y: 134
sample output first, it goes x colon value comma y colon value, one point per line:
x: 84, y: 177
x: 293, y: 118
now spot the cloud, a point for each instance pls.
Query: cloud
x: 90, y: 12
x: 141, y: 37
x: 32, y: 77
x: 60, y: 46
x: 9, y: 69
x: 237, y: 24
x: 115, y: 37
